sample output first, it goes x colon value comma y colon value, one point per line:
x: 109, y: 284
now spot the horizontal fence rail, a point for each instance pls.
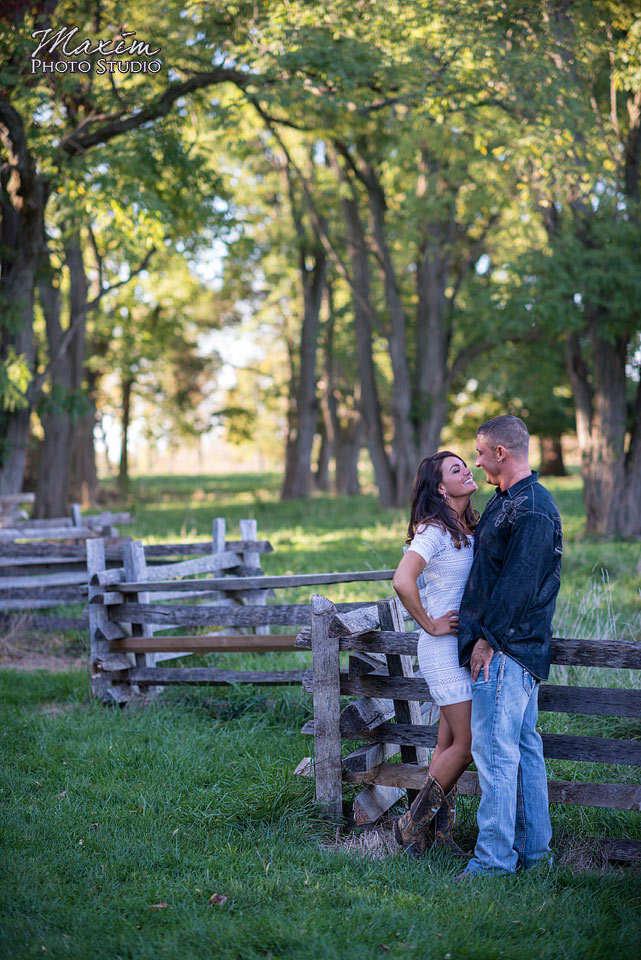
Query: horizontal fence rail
x: 127, y: 605
x: 589, y: 653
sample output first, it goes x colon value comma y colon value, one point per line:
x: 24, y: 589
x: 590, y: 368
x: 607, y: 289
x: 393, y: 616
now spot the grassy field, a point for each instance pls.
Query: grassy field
x: 119, y: 826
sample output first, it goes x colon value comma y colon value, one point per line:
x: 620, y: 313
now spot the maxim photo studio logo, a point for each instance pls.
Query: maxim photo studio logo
x: 61, y: 51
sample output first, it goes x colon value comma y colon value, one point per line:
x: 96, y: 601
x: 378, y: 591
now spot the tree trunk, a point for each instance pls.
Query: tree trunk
x: 601, y: 429
x: 22, y: 200
x: 304, y: 415
x: 123, y: 470
x: 321, y: 476
x: 403, y: 446
x: 433, y: 333
x: 303, y: 409
x: 370, y: 407
x: 84, y: 475
x: 347, y: 453
x: 551, y: 457
x: 66, y: 369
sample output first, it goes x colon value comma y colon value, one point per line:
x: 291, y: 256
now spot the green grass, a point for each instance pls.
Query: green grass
x: 195, y: 796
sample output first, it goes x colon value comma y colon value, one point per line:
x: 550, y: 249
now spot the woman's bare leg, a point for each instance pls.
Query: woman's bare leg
x: 449, y: 762
x: 445, y: 738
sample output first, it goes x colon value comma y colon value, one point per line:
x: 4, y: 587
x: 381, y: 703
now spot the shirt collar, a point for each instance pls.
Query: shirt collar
x: 520, y: 485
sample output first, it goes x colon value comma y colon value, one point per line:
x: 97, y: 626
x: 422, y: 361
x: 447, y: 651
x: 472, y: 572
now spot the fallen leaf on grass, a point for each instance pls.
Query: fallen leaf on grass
x: 61, y: 795
x: 217, y: 899
x: 158, y: 906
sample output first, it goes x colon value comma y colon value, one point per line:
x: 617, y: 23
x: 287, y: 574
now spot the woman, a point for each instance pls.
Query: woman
x: 440, y: 538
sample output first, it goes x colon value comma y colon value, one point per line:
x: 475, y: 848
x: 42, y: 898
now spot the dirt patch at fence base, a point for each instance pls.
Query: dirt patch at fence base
x: 377, y: 842
x: 579, y: 855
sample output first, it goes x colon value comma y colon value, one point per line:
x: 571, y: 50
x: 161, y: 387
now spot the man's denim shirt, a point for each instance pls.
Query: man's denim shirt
x: 515, y: 577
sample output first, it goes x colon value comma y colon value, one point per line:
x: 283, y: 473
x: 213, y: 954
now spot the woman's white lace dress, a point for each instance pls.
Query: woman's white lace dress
x: 445, y: 573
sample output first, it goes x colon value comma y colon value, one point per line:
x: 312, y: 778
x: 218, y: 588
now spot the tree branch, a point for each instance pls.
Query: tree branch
x: 78, y: 140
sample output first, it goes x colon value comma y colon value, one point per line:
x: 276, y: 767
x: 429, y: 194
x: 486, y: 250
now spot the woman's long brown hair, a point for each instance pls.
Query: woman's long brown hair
x: 430, y: 507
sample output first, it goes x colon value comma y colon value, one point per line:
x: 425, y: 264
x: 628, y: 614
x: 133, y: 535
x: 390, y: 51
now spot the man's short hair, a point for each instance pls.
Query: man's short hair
x: 508, y: 431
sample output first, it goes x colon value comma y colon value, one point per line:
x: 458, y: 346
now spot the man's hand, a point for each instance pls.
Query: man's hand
x: 482, y: 654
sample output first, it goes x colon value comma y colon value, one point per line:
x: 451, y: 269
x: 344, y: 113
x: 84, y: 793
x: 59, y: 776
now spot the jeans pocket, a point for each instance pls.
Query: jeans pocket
x: 528, y: 682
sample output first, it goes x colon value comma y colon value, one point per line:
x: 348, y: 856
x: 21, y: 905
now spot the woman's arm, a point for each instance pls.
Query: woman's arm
x: 404, y: 582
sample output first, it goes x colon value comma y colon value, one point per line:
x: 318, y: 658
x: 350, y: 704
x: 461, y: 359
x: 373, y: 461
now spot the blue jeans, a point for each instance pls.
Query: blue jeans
x: 513, y: 814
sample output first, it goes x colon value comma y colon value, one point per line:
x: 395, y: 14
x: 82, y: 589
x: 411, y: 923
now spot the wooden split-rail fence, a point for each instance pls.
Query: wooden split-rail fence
x: 130, y: 604
x: 388, y: 717
x: 43, y: 565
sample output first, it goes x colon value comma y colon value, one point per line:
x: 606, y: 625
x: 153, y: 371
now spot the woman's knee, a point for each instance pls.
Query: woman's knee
x: 463, y: 749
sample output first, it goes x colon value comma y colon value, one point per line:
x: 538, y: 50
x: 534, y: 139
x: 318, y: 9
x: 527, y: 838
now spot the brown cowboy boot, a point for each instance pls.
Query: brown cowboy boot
x: 410, y: 830
x: 441, y: 827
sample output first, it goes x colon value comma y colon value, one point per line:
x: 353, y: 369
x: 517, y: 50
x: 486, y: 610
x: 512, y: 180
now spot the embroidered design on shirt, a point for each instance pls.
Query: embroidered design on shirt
x: 509, y: 511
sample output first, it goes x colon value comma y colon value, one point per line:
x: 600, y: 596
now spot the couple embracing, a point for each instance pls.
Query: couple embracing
x: 486, y: 627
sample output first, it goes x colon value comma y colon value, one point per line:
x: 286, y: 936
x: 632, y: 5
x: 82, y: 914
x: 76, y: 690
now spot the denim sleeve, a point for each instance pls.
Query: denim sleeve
x: 525, y: 565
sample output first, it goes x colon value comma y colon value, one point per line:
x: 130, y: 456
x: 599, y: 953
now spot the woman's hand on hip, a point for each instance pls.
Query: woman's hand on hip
x: 448, y: 623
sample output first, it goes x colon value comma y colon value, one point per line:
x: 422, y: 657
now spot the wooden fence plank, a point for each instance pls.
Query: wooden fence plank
x: 291, y: 614
x: 365, y: 714
x: 369, y: 756
x: 263, y: 582
x: 34, y: 621
x: 204, y: 547
x: 620, y: 849
x: 591, y: 653
x: 553, y: 698
x: 22, y: 605
x: 372, y: 802
x: 10, y: 499
x: 52, y: 533
x: 168, y: 571
x: 206, y: 644
x: 57, y: 594
x: 618, y: 796
x: 209, y: 676
x: 355, y: 623
x: 555, y: 746
x: 48, y: 580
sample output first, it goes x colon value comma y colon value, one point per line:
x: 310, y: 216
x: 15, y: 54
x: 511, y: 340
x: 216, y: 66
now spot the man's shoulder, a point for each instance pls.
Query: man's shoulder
x: 543, y: 502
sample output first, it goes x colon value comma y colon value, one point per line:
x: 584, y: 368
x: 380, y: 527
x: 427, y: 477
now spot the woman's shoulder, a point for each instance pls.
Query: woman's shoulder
x: 438, y: 536
x: 431, y: 531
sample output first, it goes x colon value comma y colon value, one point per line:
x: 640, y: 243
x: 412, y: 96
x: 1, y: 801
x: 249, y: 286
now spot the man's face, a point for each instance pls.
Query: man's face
x: 487, y: 459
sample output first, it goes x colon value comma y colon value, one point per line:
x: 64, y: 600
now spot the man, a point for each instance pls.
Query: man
x: 505, y: 630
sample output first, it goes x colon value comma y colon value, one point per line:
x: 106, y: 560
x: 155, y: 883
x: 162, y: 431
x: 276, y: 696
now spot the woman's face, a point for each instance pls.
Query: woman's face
x: 456, y: 479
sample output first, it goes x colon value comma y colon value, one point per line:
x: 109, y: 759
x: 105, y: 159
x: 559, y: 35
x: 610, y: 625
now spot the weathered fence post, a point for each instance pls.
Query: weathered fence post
x: 218, y: 535
x: 99, y: 644
x: 327, y: 708
x: 390, y: 615
x: 249, y: 532
x: 135, y: 566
